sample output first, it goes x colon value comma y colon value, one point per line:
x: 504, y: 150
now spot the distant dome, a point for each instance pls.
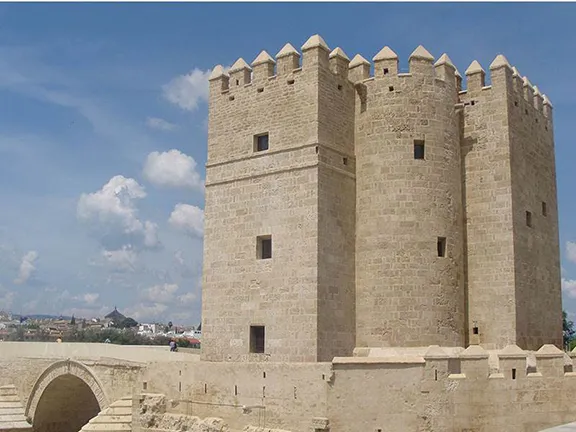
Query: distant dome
x: 115, y: 316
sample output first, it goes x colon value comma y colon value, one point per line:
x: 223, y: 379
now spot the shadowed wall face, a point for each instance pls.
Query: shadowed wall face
x: 66, y: 405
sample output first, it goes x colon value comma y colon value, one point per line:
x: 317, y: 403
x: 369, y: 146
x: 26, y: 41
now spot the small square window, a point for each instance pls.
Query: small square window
x: 529, y: 218
x: 261, y: 142
x: 257, y: 339
x: 544, y: 209
x: 386, y: 71
x: 345, y: 160
x: 441, y: 245
x: 264, y: 247
x: 418, y: 149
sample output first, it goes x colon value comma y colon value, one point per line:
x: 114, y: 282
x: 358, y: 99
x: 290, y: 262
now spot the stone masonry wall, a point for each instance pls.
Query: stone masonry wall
x: 339, y: 138
x: 298, y: 192
x: 268, y: 193
x: 537, y: 262
x: 513, y: 269
x: 488, y: 203
x: 428, y: 390
x: 271, y: 395
x: 406, y: 294
x: 336, y: 211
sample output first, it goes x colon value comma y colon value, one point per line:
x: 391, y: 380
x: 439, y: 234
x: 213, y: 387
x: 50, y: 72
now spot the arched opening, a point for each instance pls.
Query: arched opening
x: 66, y: 404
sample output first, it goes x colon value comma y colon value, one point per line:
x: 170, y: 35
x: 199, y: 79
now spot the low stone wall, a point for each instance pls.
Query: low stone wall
x: 427, y: 389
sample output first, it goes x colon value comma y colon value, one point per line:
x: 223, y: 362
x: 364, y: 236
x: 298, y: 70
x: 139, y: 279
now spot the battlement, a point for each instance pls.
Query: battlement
x: 288, y: 62
x: 503, y: 75
x: 474, y: 362
x: 316, y: 54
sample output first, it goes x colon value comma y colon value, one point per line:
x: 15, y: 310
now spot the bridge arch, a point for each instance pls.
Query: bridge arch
x: 65, y: 396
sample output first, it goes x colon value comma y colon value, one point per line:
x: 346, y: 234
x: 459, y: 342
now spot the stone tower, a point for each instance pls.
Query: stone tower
x: 409, y: 188
x: 513, y: 254
x: 280, y: 204
x: 346, y: 208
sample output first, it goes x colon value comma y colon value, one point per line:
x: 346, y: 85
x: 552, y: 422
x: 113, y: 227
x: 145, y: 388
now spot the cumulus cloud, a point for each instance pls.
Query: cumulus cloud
x: 86, y: 312
x: 184, y: 269
x: 164, y: 293
x: 151, y: 312
x: 122, y: 259
x: 187, y: 298
x: 160, y: 124
x: 172, y: 169
x: 27, y: 267
x: 569, y: 287
x: 571, y: 251
x: 188, y: 90
x: 6, y: 299
x: 90, y: 298
x: 188, y: 218
x: 113, y: 217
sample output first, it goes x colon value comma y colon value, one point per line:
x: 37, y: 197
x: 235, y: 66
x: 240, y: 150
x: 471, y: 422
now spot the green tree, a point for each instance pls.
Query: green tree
x: 128, y: 323
x: 73, y: 321
x: 568, y: 329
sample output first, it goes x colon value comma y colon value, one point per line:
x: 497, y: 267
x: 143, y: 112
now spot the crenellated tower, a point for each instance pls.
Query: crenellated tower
x: 351, y: 205
x: 513, y: 259
x: 280, y: 203
x: 409, y: 216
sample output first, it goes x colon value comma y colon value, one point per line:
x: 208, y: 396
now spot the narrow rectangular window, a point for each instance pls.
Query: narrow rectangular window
x: 544, y: 209
x: 257, y: 339
x: 529, y: 218
x: 441, y: 245
x: 264, y: 247
x: 418, y: 149
x: 261, y: 142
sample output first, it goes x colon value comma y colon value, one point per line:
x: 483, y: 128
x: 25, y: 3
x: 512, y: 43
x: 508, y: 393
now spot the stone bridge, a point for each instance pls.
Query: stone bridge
x: 59, y: 387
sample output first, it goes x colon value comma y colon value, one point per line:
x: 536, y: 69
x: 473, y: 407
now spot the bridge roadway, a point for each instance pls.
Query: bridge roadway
x: 60, y: 386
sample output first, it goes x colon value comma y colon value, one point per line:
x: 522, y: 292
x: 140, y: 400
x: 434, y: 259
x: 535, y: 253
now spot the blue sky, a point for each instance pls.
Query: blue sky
x: 103, y: 130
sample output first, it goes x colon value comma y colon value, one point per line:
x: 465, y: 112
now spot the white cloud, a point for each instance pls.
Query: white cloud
x: 160, y: 293
x: 184, y: 269
x: 569, y: 286
x: 147, y: 311
x: 160, y: 124
x: 6, y: 299
x: 26, y: 267
x: 87, y: 312
x: 172, y: 169
x: 188, y: 218
x: 121, y: 259
x: 188, y: 90
x: 90, y: 298
x: 179, y: 257
x: 571, y: 251
x: 187, y: 298
x: 112, y: 215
